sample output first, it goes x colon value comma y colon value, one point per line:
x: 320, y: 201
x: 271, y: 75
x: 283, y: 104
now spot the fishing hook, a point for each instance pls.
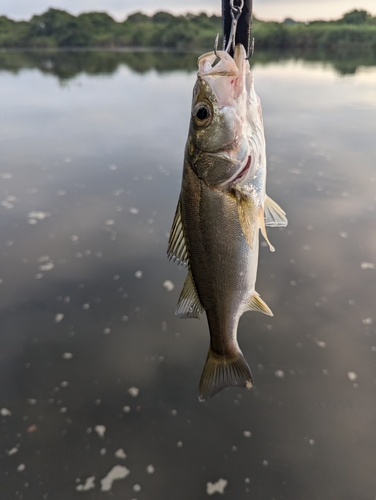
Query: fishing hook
x: 236, y: 12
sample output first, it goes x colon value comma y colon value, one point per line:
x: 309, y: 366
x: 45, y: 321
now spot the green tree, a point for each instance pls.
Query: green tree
x: 356, y: 17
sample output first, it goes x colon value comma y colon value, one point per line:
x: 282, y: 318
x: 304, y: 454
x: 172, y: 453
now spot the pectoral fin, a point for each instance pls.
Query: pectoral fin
x: 189, y: 304
x: 257, y: 304
x: 274, y: 215
x: 177, y: 248
x: 247, y: 215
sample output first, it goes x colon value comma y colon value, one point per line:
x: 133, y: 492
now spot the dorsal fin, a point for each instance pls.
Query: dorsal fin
x: 189, y: 304
x: 177, y: 248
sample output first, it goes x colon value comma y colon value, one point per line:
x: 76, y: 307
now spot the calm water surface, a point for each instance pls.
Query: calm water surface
x: 97, y: 371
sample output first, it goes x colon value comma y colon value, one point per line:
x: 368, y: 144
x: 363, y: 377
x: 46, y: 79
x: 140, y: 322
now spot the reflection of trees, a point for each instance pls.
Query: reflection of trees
x: 67, y: 64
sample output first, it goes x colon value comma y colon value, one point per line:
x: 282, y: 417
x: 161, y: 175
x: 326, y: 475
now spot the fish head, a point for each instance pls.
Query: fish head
x: 218, y: 146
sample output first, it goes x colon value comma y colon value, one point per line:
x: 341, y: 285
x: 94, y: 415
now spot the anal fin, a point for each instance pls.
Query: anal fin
x: 257, y: 304
x: 189, y: 304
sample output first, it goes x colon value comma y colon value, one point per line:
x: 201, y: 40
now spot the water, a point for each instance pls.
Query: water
x: 94, y: 364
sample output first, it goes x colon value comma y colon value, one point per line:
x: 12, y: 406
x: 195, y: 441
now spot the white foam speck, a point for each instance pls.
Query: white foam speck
x: 74, y: 237
x: 138, y: 274
x: 110, y: 222
x: 150, y: 469
x: 321, y: 344
x: 100, y: 430
x: 279, y: 374
x: 38, y: 215
x: 218, y: 487
x: 367, y: 321
x: 59, y: 317
x: 106, y: 331
x: 179, y: 444
x: 32, y: 221
x: 367, y: 265
x: 89, y: 484
x: 169, y: 286
x: 133, y: 391
x: 13, y: 451
x: 117, y: 472
x: 67, y: 355
x: 265, y: 463
x: 4, y: 412
x: 136, y: 488
x: 21, y: 467
x: 126, y: 409
x: 112, y: 167
x: 120, y: 454
x: 134, y: 210
x: 311, y: 442
x: 373, y: 348
x: 247, y: 434
x: 352, y: 376
x: 46, y: 267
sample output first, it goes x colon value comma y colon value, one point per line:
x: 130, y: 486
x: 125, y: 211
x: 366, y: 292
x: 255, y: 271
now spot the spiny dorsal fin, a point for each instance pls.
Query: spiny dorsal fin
x: 224, y: 371
x: 274, y: 215
x: 189, y: 304
x: 257, y: 304
x: 177, y: 248
x: 247, y: 215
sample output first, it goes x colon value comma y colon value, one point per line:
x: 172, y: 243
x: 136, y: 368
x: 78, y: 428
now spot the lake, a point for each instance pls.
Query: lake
x: 99, y: 378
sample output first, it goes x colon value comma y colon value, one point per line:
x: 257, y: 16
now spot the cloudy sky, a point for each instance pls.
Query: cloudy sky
x: 303, y: 10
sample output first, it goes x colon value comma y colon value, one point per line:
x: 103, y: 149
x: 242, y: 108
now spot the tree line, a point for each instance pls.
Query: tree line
x: 55, y: 28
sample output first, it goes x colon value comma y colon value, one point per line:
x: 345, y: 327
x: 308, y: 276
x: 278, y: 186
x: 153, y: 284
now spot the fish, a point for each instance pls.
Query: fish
x: 221, y: 210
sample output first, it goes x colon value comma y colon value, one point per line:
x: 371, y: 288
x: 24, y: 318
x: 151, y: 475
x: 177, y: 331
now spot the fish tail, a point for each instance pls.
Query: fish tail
x: 222, y: 371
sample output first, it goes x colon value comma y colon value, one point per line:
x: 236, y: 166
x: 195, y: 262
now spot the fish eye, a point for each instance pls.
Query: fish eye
x: 202, y: 114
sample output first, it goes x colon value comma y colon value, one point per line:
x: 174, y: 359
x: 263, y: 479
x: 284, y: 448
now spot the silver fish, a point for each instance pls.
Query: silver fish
x: 221, y: 209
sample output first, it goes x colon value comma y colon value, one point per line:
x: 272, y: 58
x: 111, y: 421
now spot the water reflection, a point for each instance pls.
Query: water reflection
x: 90, y: 174
x: 68, y: 64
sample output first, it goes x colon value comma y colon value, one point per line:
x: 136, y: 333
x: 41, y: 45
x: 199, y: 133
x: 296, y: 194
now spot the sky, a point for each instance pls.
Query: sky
x: 301, y: 10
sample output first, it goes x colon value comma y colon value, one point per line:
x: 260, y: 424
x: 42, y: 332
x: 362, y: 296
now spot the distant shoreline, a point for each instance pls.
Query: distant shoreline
x: 57, y: 29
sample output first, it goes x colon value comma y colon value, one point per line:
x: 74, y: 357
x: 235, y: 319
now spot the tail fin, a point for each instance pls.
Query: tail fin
x: 224, y: 371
